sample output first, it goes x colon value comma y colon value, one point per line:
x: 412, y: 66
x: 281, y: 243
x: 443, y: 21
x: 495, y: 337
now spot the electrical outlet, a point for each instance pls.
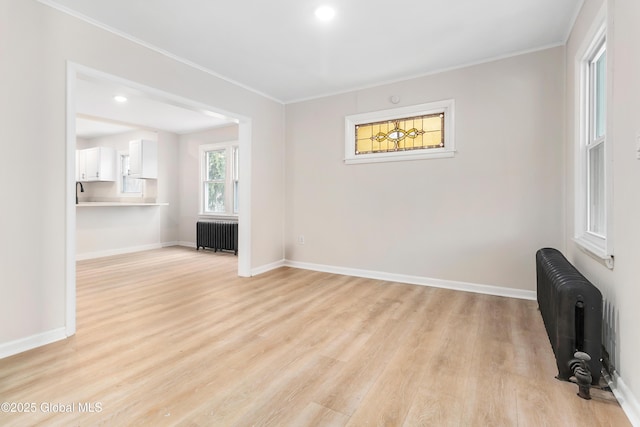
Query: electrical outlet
x: 301, y: 239
x: 638, y: 146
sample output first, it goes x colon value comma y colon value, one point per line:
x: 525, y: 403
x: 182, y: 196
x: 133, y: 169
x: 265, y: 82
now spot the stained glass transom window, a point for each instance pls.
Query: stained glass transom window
x: 411, y: 133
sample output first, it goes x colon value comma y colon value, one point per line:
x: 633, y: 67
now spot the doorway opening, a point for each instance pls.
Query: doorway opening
x: 79, y: 76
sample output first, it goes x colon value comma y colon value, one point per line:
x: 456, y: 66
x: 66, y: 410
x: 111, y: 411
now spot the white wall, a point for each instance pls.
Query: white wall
x: 619, y: 286
x: 189, y: 158
x: 36, y: 42
x: 478, y: 217
x: 25, y: 307
x: 168, y: 190
x: 106, y: 231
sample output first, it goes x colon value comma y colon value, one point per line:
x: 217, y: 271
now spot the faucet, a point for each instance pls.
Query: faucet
x: 81, y: 190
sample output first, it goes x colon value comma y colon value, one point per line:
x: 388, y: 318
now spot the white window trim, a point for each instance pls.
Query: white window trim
x: 121, y: 153
x: 445, y: 106
x: 599, y: 246
x: 202, y: 149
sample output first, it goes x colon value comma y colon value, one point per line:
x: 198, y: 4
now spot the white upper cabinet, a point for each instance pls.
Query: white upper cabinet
x: 143, y: 159
x: 96, y: 164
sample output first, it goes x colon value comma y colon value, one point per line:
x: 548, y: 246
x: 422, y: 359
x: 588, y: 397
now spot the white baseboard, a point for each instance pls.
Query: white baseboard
x: 626, y: 399
x: 370, y: 274
x: 23, y: 344
x: 268, y: 267
x: 119, y: 251
x: 418, y: 280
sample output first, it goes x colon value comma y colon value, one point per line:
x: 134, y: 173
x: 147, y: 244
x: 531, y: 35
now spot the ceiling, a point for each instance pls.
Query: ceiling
x: 279, y: 49
x: 99, y: 114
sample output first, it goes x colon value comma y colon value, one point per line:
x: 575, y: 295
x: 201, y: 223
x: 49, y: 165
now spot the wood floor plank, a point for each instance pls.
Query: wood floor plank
x: 174, y: 337
x: 442, y: 394
x: 405, y: 371
x: 317, y: 415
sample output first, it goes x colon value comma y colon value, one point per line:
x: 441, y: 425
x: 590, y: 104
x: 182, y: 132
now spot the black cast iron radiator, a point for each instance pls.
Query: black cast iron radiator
x: 218, y: 235
x: 571, y: 308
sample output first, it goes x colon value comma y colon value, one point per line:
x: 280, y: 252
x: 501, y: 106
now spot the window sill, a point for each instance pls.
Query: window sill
x: 233, y: 217
x: 398, y: 157
x: 596, y: 251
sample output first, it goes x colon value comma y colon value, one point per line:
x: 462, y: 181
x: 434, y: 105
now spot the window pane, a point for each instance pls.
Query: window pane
x: 599, y: 101
x: 236, y: 162
x: 125, y: 162
x: 411, y: 133
x: 235, y: 196
x: 236, y: 174
x: 596, y: 190
x: 129, y: 185
x: 214, y: 197
x: 216, y: 165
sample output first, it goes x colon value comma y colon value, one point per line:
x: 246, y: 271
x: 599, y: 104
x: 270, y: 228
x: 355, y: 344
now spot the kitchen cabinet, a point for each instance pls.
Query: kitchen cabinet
x: 96, y: 164
x: 143, y: 159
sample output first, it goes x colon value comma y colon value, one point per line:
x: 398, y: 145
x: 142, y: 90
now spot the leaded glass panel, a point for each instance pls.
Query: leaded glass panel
x: 411, y: 133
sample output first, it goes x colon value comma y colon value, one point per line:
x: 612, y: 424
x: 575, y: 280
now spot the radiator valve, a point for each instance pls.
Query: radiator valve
x: 579, y: 365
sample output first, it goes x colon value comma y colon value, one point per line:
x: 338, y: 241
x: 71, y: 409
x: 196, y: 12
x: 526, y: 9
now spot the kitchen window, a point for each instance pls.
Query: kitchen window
x: 219, y: 179
x: 127, y: 186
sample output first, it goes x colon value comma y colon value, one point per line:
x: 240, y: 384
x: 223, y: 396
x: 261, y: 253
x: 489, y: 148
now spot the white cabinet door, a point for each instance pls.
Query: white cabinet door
x: 92, y: 164
x: 96, y: 164
x: 80, y: 166
x: 143, y: 159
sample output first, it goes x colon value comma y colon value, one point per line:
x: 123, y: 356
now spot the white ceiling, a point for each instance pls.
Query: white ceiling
x: 95, y: 128
x: 99, y: 114
x: 278, y: 47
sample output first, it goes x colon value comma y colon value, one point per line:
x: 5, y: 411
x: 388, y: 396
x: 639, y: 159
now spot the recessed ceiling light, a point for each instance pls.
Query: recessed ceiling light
x: 325, y: 13
x: 120, y: 98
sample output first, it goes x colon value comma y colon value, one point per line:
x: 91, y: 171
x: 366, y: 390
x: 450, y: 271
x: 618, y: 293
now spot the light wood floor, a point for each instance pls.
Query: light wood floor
x: 173, y: 337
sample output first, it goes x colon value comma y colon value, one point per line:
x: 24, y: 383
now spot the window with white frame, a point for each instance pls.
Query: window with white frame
x: 219, y: 179
x: 406, y: 133
x: 593, y: 198
x: 595, y: 144
x: 127, y: 186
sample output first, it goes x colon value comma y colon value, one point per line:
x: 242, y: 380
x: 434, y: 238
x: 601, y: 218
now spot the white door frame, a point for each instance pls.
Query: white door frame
x: 244, y: 136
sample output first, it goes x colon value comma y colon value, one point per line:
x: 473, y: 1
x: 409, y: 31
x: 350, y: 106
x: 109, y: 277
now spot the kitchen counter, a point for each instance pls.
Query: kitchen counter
x: 116, y: 204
